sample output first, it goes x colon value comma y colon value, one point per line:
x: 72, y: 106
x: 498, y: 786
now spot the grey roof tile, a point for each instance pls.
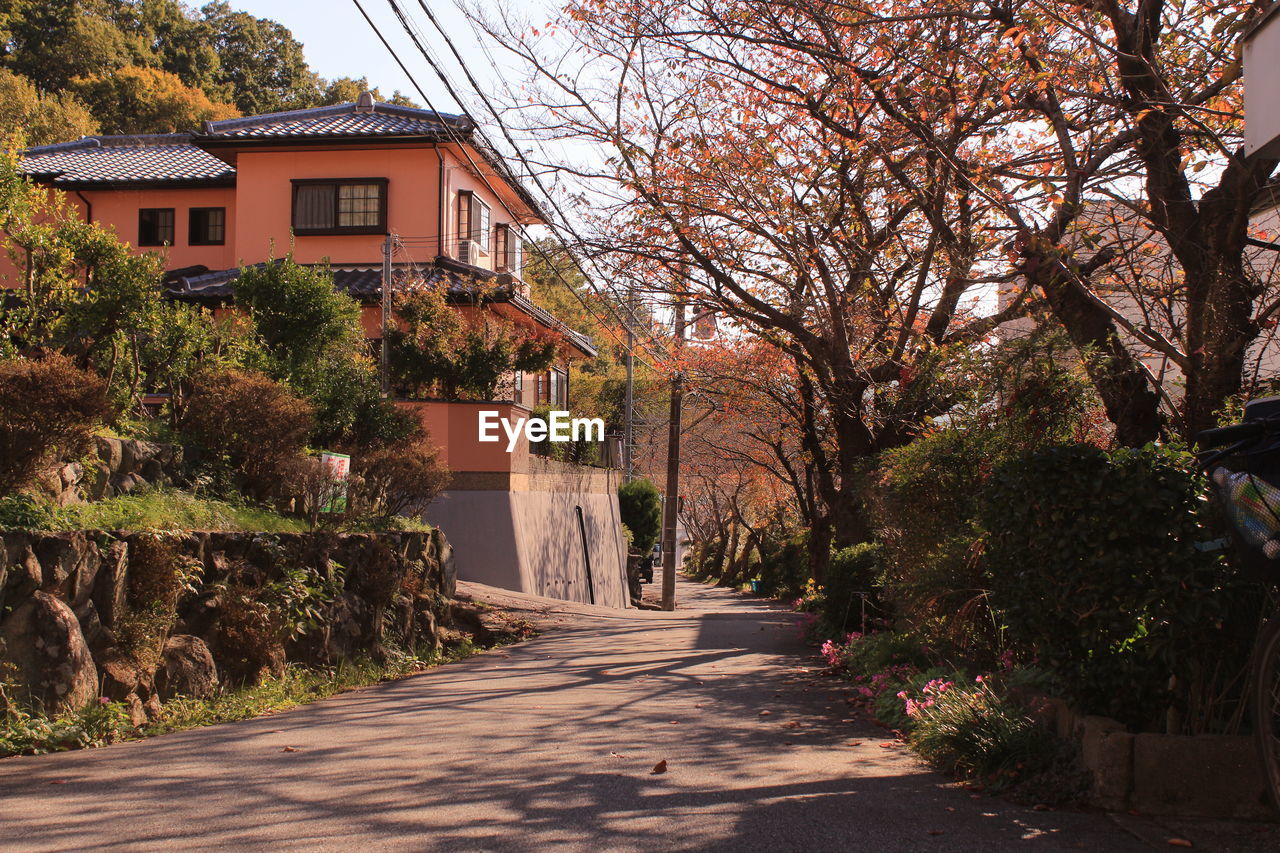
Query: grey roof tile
x: 340, y: 120
x: 365, y: 282
x: 125, y: 159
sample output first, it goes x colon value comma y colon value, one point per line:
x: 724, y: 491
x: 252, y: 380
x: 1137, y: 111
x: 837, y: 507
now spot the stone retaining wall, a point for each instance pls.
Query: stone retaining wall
x: 140, y: 617
x: 1191, y: 776
x: 117, y: 466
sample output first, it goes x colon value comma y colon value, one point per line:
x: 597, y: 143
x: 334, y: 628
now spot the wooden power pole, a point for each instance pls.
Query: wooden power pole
x: 671, y: 507
x: 628, y: 400
x: 384, y: 354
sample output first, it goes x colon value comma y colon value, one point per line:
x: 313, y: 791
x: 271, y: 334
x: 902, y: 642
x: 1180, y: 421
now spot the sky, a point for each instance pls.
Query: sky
x: 340, y: 43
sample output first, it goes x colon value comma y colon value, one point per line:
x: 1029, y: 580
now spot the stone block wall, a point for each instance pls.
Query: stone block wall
x: 117, y: 466
x: 1212, y: 776
x: 140, y: 617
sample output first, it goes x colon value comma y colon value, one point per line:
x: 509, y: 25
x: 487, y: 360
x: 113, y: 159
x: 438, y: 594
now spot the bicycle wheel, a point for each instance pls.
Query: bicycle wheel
x: 1266, y: 705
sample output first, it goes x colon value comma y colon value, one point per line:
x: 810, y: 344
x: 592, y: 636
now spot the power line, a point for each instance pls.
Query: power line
x: 463, y: 147
x: 453, y: 92
x: 506, y: 133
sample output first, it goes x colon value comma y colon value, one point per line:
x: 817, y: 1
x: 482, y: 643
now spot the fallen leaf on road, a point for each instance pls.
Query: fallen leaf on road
x: 786, y: 743
x: 765, y: 713
x: 887, y: 745
x: 675, y: 722
x: 290, y: 749
x: 58, y: 782
x: 1041, y: 807
x: 951, y: 808
x: 855, y: 743
x: 935, y: 832
x: 1180, y: 842
x: 660, y: 767
x: 791, y: 725
x: 699, y: 705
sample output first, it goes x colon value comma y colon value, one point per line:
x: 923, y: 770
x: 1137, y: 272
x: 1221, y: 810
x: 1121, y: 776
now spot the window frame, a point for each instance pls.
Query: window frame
x: 173, y: 226
x: 469, y: 206
x: 508, y: 249
x: 337, y: 184
x: 198, y: 240
x: 558, y: 392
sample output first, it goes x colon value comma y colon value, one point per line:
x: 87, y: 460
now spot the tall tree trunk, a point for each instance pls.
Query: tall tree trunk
x: 1131, y: 403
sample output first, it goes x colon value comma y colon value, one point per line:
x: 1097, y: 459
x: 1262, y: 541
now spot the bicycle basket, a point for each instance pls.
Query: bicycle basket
x: 1247, y: 489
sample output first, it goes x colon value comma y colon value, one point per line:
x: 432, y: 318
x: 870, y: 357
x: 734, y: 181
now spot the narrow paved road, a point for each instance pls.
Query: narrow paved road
x: 544, y: 746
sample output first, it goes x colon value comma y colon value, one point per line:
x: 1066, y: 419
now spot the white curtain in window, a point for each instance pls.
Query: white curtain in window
x: 314, y: 208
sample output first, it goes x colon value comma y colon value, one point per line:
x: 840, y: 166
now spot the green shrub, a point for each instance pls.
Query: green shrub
x: 48, y: 408
x: 398, y: 480
x: 435, y: 350
x: 1093, y: 570
x: 250, y: 424
x: 785, y: 569
x: 26, y: 733
x: 24, y: 512
x: 881, y: 651
x: 852, y: 574
x: 641, y: 509
x: 1027, y: 393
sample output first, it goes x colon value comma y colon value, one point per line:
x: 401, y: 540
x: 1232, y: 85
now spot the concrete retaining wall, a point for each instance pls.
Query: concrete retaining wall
x: 1191, y: 776
x: 540, y: 540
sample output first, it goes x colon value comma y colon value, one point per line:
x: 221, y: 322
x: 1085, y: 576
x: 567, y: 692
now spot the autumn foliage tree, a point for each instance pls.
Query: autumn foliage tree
x: 718, y: 189
x: 853, y: 183
x: 438, y: 350
x: 1087, y: 133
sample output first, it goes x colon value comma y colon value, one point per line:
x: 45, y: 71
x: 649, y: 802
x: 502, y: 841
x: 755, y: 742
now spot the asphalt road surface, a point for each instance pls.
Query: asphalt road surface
x: 549, y: 745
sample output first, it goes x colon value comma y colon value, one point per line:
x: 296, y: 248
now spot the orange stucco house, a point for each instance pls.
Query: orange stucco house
x: 333, y: 185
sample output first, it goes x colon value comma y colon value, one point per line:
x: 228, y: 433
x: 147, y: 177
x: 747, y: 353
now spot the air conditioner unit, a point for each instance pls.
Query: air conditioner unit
x: 470, y: 252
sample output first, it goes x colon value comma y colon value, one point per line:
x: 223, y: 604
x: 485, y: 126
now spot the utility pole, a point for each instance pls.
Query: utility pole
x: 671, y: 507
x: 628, y: 399
x: 384, y: 350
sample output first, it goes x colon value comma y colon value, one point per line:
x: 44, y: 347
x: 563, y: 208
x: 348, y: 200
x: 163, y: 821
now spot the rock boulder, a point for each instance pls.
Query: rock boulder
x: 41, y: 639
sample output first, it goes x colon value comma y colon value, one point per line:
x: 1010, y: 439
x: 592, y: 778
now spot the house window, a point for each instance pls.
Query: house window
x: 519, y: 387
x: 559, y: 388
x: 473, y: 226
x: 357, y: 206
x: 207, y: 226
x: 540, y: 389
x: 509, y: 250
x: 155, y: 226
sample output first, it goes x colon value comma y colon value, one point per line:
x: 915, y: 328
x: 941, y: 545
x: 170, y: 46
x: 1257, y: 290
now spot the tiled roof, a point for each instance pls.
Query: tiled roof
x: 166, y: 157
x: 340, y: 120
x: 365, y: 282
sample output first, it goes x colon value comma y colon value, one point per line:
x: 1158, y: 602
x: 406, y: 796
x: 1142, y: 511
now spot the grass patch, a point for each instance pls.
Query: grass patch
x: 25, y: 733
x: 101, y: 723
x: 298, y: 686
x: 164, y: 509
x: 173, y: 509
